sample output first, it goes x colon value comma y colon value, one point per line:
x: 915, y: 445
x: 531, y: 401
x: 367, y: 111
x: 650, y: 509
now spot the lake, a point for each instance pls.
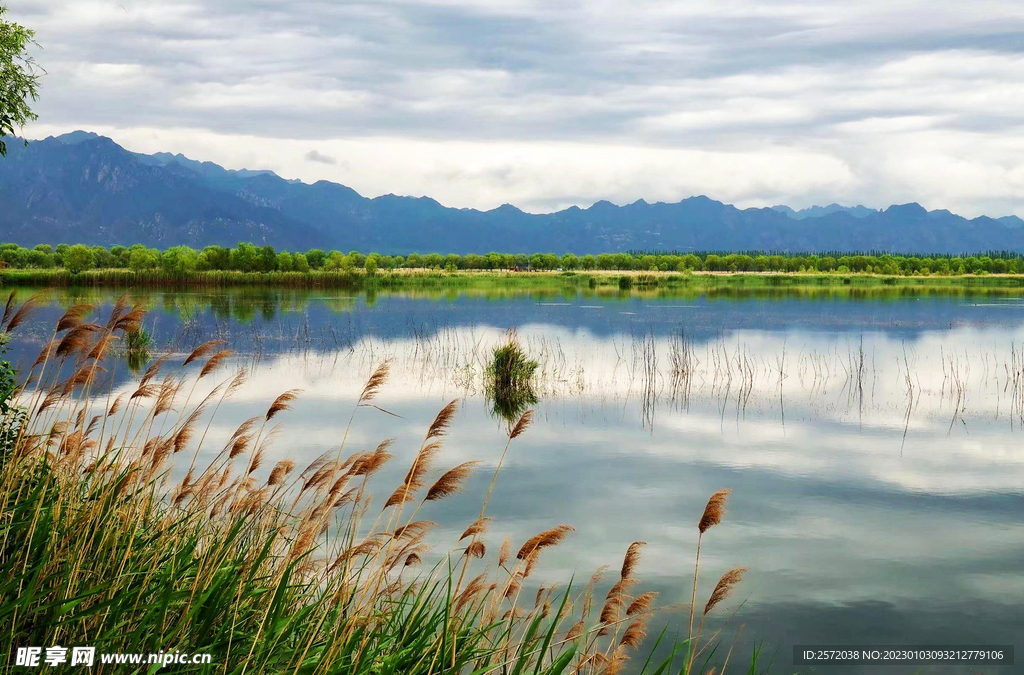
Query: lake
x: 872, y: 446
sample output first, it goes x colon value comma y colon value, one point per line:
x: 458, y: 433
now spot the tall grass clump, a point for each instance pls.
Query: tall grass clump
x: 268, y: 568
x: 509, y: 379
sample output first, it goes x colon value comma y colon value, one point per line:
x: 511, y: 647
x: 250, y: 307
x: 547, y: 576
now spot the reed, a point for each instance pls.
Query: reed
x: 98, y: 547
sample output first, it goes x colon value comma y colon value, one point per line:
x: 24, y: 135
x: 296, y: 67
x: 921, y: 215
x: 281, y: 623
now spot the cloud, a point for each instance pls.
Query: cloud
x: 546, y: 104
x: 315, y: 156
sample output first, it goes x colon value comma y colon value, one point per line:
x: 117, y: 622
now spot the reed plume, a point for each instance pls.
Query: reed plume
x: 635, y: 632
x: 451, y: 482
x: 642, y: 603
x: 282, y: 402
x: 439, y: 427
x: 8, y: 307
x: 202, y: 350
x: 374, y: 383
x: 632, y: 557
x: 476, y: 549
x: 479, y: 526
x: 22, y: 314
x: 714, y: 511
x: 724, y: 587
x: 522, y: 425
x: 152, y: 371
x: 76, y: 339
x: 72, y: 317
x: 215, y: 361
x: 280, y: 472
x: 505, y: 552
x: 535, y: 544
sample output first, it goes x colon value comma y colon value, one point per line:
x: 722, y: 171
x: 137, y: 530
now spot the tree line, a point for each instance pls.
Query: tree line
x: 246, y: 257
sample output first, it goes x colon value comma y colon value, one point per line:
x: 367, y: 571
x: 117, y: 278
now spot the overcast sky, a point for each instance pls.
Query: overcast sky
x: 550, y: 103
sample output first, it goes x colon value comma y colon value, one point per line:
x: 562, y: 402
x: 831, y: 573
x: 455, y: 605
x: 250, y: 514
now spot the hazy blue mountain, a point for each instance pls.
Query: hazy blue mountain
x: 81, y: 187
x: 92, y: 190
x: 819, y: 211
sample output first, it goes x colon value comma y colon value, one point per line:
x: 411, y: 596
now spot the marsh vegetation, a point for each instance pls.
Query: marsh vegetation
x: 288, y: 566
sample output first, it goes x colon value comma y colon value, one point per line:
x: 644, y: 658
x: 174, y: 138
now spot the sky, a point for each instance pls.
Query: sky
x: 549, y: 103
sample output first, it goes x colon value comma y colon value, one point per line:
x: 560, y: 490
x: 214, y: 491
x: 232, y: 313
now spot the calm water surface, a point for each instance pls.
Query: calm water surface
x: 872, y: 446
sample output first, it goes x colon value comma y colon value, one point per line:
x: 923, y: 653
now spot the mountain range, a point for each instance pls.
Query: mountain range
x: 85, y: 188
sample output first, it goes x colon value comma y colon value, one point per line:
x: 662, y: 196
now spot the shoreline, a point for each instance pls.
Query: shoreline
x: 424, y: 279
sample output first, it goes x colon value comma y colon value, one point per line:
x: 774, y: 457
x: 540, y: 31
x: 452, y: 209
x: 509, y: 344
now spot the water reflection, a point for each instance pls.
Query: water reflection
x: 872, y: 448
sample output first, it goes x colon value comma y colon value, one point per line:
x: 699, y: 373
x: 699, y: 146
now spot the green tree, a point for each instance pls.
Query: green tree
x: 218, y: 257
x: 79, y: 258
x: 19, y: 78
x: 300, y: 263
x: 37, y: 258
x: 315, y: 258
x: 245, y: 257
x: 102, y: 257
x: 267, y: 259
x: 285, y: 261
x: 179, y: 260
x: 120, y: 255
x: 143, y: 258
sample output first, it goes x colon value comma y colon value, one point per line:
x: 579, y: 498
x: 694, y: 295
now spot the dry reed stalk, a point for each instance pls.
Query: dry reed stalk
x: 215, y: 361
x: 71, y: 318
x: 282, y: 402
x: 152, y: 371
x: 642, y: 603
x: 239, y: 445
x: 724, y: 587
x: 415, y: 530
x: 450, y: 482
x: 473, y: 589
x: 45, y: 353
x: 22, y: 313
x: 505, y: 551
x: 202, y: 350
x: 9, y: 307
x: 632, y: 557
x: 76, y: 340
x: 713, y: 512
x: 115, y: 406
x: 476, y: 549
x: 543, y: 540
x: 522, y: 425
x: 280, y: 472
x: 479, y: 526
x: 575, y: 631
x: 439, y: 427
x: 372, y: 462
x: 374, y: 383
x: 635, y: 632
x: 130, y: 322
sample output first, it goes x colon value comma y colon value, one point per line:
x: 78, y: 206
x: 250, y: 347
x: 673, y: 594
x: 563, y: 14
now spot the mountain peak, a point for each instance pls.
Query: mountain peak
x: 910, y: 210
x: 73, y: 137
x: 96, y: 192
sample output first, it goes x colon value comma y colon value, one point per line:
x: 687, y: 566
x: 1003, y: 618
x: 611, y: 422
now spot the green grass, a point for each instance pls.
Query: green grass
x: 286, y: 570
x: 486, y: 280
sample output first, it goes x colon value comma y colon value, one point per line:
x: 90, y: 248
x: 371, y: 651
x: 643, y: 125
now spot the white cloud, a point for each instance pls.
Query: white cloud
x: 548, y: 104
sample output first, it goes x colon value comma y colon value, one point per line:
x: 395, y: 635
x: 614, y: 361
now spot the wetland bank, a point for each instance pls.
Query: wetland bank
x: 860, y: 436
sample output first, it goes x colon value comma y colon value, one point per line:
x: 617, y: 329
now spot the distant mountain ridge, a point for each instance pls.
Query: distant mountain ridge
x: 81, y: 187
